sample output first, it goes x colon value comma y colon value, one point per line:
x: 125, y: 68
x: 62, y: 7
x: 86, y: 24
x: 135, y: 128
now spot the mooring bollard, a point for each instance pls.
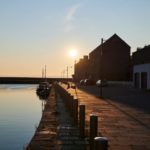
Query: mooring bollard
x: 67, y: 100
x: 100, y: 143
x: 82, y: 120
x: 55, y: 94
x: 93, y: 129
x: 75, y: 110
x: 71, y: 104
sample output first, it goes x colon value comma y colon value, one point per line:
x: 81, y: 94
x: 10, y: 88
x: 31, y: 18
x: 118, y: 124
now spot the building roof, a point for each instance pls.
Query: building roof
x: 116, y: 37
x: 110, y: 40
x: 141, y: 56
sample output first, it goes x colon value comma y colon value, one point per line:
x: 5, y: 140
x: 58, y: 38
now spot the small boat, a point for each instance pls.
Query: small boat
x: 44, y: 87
x: 43, y: 90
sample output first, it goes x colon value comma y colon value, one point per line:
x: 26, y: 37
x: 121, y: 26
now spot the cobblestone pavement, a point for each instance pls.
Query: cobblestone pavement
x: 126, y: 128
x: 68, y: 134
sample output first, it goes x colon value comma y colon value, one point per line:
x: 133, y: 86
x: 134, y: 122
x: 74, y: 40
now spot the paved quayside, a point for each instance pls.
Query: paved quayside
x: 125, y: 127
x: 68, y: 133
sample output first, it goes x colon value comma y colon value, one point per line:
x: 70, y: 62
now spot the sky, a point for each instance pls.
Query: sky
x: 35, y: 33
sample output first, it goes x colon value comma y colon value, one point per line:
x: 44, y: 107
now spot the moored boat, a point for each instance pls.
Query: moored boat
x: 44, y: 87
x: 43, y: 90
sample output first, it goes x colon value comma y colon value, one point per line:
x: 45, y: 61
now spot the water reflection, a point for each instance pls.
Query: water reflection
x: 43, y: 91
x: 43, y: 101
x: 20, y: 110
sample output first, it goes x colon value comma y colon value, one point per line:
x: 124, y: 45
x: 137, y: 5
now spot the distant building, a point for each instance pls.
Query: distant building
x: 81, y: 69
x: 113, y: 64
x: 141, y: 68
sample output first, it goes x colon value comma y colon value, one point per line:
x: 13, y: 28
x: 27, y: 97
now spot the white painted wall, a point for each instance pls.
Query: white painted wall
x: 142, y: 68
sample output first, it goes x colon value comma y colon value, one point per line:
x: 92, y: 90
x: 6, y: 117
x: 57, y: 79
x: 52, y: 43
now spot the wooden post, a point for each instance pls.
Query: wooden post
x: 75, y: 111
x: 71, y: 105
x: 55, y: 94
x: 82, y: 120
x: 93, y: 129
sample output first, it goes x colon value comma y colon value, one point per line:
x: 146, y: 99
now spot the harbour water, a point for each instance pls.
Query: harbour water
x: 20, y: 113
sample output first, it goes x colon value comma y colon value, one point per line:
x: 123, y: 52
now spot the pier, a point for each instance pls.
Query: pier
x: 124, y: 127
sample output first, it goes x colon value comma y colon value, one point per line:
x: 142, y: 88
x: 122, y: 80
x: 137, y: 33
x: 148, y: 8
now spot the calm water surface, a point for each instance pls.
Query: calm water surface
x: 20, y: 112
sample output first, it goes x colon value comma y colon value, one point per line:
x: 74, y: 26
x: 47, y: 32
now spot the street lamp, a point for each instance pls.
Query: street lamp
x: 101, y: 70
x: 74, y: 71
x: 68, y: 67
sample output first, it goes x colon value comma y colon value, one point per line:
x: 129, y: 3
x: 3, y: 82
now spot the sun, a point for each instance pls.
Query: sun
x: 73, y: 53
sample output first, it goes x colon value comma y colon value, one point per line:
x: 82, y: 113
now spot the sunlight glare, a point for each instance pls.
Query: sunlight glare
x: 73, y: 53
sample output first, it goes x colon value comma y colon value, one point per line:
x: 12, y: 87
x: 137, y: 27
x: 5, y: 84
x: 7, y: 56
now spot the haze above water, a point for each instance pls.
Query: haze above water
x: 20, y: 112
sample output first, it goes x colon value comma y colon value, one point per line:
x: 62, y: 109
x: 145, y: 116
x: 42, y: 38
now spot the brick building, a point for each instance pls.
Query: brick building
x: 110, y: 61
x: 141, y: 67
x: 82, y: 69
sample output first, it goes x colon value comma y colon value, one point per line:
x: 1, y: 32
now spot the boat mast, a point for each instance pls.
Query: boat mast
x: 45, y: 72
x: 42, y: 73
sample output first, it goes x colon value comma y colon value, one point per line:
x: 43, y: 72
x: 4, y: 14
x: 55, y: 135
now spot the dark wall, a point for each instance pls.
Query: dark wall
x: 81, y: 69
x: 116, y: 61
x: 114, y: 64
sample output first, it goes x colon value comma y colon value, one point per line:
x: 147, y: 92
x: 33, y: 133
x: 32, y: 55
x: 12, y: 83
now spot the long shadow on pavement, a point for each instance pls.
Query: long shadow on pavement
x: 138, y: 99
